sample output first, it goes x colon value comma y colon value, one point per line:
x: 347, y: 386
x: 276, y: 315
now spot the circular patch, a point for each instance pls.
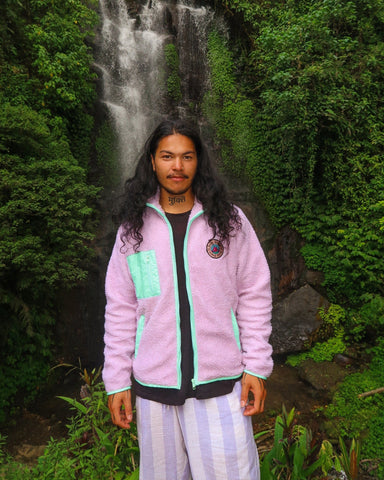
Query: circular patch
x: 215, y: 248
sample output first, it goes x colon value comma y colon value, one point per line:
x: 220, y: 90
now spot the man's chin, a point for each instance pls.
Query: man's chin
x: 176, y: 192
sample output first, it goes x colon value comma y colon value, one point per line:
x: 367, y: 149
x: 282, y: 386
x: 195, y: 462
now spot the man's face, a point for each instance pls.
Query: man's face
x: 175, y: 164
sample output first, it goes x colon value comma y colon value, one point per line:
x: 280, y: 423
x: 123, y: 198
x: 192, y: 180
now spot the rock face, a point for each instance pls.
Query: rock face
x: 324, y: 377
x: 295, y: 318
x: 296, y: 291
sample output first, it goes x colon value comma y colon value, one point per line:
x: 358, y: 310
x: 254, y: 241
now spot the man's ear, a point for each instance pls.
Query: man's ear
x: 153, y: 163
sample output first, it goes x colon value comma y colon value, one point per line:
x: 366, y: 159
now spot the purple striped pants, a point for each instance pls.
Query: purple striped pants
x: 200, y: 440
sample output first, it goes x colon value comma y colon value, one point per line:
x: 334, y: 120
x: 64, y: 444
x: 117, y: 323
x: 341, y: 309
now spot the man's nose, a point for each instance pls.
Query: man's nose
x: 178, y: 164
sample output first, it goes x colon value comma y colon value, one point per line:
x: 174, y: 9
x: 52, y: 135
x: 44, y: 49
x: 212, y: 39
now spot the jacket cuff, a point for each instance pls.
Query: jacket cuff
x: 118, y: 391
x: 255, y: 374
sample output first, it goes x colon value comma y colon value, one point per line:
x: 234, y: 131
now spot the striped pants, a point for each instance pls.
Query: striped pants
x: 200, y: 440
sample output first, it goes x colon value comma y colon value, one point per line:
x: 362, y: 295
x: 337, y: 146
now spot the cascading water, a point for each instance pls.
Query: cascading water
x: 131, y: 60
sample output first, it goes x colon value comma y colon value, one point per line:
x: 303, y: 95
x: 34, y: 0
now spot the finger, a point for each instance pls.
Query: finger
x: 128, y: 407
x: 244, y: 394
x: 114, y: 408
x: 254, y: 407
x: 259, y: 393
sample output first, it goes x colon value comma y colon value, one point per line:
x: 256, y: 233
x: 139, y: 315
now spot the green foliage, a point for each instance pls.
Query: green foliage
x: 10, y: 469
x: 60, y: 58
x: 333, y: 330
x: 94, y: 448
x: 350, y: 459
x: 372, y: 313
x: 47, y: 63
x: 46, y: 214
x: 352, y: 416
x: 306, y: 95
x: 295, y: 455
x: 44, y: 200
x: 231, y: 113
x: 25, y: 351
x: 173, y: 78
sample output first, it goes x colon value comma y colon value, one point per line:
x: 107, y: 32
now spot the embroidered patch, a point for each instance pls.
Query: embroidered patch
x: 215, y: 248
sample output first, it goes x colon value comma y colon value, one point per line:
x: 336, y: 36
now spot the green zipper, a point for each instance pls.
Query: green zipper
x: 177, y: 302
x: 189, y: 293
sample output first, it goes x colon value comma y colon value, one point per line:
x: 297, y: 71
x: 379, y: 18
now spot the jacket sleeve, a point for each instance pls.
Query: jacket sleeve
x: 120, y: 322
x: 254, y: 310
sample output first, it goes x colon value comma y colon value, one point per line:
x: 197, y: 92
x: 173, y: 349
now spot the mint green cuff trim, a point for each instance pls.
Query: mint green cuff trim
x: 255, y: 374
x: 118, y: 391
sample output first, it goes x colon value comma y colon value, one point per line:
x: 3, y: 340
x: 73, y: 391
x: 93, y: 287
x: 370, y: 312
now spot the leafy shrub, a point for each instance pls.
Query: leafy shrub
x: 295, y: 454
x: 46, y: 215
x: 94, y: 448
x: 353, y: 416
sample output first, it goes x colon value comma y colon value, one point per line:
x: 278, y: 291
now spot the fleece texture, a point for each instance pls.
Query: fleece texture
x: 230, y: 303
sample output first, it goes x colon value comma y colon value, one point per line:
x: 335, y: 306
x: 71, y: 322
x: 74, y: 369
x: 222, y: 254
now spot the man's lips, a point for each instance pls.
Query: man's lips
x: 177, y: 177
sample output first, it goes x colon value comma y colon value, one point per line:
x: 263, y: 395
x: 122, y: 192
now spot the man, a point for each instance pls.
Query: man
x: 188, y: 316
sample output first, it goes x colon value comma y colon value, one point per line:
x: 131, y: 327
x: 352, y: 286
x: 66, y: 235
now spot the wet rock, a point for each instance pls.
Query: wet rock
x: 343, y: 360
x: 240, y: 192
x: 28, y: 454
x: 322, y: 376
x: 295, y: 319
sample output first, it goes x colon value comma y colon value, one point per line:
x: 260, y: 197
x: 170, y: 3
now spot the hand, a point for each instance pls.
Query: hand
x: 256, y: 386
x: 120, y: 406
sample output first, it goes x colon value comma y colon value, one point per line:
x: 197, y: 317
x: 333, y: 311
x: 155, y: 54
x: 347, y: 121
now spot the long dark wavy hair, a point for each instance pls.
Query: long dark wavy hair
x: 207, y: 186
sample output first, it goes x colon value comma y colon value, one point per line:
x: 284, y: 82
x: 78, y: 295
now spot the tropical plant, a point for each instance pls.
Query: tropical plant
x: 349, y: 460
x: 294, y: 454
x: 93, y: 449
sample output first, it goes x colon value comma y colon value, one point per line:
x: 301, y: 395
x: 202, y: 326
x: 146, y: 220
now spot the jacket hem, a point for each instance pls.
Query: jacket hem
x: 152, y: 385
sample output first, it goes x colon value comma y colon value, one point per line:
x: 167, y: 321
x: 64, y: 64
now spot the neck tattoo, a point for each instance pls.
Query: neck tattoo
x: 173, y: 200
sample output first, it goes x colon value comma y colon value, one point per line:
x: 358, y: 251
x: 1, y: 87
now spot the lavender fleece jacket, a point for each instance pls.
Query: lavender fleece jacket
x: 230, y: 305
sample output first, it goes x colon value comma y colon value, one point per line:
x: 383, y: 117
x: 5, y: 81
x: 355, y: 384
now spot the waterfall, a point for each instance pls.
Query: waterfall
x: 133, y: 70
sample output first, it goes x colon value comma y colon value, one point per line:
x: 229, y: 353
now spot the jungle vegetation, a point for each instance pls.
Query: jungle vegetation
x: 47, y: 92
x: 297, y: 105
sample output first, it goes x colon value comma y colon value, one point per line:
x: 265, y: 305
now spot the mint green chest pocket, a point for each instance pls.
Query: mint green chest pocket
x: 145, y: 275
